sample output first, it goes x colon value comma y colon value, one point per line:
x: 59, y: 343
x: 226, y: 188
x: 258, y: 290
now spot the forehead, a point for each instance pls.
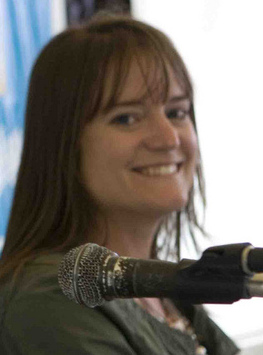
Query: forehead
x: 144, y: 81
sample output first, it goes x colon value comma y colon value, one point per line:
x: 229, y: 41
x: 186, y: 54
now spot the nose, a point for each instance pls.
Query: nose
x: 162, y: 134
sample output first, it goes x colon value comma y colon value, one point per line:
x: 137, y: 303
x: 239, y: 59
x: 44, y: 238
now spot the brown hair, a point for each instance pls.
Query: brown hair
x: 51, y: 210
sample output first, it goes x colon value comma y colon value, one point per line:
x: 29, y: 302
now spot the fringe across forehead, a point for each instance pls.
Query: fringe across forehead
x: 155, y: 72
x: 154, y: 57
x: 155, y: 80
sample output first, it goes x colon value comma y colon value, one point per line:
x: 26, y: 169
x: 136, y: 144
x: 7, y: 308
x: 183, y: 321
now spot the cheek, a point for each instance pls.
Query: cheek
x: 102, y: 158
x: 190, y: 144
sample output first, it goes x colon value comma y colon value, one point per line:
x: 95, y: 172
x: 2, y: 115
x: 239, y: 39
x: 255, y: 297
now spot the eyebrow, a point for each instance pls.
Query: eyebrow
x: 178, y: 98
x: 140, y: 102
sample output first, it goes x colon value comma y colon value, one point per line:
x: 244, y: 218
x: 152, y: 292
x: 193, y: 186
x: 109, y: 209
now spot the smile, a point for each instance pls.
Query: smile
x: 161, y: 170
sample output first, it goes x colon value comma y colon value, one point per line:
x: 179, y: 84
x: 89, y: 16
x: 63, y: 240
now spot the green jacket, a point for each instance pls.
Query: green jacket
x: 37, y: 319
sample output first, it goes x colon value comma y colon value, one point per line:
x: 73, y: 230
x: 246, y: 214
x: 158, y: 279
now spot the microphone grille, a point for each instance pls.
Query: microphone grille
x: 80, y: 272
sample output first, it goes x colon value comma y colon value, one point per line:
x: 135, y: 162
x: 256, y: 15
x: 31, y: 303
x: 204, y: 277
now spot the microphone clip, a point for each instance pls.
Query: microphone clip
x: 219, y: 276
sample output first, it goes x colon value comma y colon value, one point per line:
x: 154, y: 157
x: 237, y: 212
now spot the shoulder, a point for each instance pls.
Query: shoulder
x: 211, y: 335
x: 38, y: 316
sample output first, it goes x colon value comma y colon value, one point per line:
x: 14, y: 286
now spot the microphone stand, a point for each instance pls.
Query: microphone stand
x: 224, y: 274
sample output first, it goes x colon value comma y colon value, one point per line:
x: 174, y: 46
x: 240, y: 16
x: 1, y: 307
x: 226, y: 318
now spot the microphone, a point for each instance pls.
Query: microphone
x: 90, y: 274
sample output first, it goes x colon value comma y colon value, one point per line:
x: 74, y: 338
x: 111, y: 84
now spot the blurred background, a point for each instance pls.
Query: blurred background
x: 221, y: 43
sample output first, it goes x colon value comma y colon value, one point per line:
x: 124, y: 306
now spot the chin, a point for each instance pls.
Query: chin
x: 178, y: 204
x: 167, y: 208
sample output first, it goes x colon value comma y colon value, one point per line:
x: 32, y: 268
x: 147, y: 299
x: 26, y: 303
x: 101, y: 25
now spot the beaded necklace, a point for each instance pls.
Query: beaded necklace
x: 170, y: 315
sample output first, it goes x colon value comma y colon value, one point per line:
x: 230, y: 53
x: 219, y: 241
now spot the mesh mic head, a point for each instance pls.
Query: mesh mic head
x: 80, y: 274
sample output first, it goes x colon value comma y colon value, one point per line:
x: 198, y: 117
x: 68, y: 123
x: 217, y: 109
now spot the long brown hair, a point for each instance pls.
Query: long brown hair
x: 51, y: 210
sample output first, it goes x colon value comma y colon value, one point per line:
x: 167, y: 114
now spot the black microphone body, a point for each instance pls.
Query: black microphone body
x: 91, y: 274
x: 129, y: 277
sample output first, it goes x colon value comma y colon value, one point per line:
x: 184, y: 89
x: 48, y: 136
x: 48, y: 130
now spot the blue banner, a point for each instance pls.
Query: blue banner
x: 25, y: 26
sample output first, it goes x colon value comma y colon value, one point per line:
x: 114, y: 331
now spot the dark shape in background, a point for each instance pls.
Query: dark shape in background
x: 79, y: 11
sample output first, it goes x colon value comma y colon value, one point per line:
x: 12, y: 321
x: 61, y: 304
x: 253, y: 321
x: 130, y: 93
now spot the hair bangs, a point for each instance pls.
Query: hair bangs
x: 152, y: 64
x: 120, y: 44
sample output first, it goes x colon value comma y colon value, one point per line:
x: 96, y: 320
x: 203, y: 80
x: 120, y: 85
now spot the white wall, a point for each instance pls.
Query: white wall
x: 221, y: 43
x: 58, y: 16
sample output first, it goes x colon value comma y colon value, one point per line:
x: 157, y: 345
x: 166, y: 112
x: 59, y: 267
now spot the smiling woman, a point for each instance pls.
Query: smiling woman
x: 110, y: 156
x: 152, y: 174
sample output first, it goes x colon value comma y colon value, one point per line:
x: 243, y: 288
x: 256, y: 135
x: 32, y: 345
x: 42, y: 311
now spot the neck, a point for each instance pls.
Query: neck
x: 128, y: 235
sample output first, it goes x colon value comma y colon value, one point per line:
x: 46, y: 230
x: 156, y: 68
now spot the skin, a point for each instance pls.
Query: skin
x: 122, y: 150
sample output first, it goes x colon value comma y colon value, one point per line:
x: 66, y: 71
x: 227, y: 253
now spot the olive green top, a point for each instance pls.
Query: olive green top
x: 36, y: 318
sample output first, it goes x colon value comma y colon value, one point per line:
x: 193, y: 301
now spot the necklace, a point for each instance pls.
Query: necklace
x: 164, y: 311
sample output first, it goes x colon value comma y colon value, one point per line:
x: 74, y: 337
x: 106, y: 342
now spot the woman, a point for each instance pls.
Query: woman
x: 111, y: 157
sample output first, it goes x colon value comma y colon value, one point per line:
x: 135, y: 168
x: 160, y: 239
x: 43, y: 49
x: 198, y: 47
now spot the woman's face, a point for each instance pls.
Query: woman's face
x: 140, y: 155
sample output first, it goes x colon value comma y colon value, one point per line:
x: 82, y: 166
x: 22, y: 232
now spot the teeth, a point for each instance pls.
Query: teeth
x: 160, y: 170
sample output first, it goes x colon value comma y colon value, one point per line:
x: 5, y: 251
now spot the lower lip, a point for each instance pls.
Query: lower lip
x: 156, y: 175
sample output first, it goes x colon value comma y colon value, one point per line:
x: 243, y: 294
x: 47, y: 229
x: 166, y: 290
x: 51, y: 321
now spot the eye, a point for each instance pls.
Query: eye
x: 124, y: 119
x: 177, y: 113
